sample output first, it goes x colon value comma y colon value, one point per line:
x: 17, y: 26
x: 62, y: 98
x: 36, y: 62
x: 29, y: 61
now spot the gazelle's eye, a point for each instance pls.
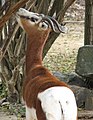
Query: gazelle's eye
x: 43, y: 25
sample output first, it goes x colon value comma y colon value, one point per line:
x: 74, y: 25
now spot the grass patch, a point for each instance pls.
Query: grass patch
x: 64, y: 63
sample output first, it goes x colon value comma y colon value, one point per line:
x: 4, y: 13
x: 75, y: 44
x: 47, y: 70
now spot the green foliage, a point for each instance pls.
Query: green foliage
x: 14, y: 109
x: 18, y: 110
x: 3, y: 90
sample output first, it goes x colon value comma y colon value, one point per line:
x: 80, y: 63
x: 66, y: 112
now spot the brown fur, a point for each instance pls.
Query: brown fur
x: 38, y: 80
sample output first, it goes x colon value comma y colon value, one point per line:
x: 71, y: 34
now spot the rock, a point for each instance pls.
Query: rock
x: 61, y: 76
x: 89, y: 103
x: 84, y: 65
x: 82, y: 97
x: 85, y: 115
x: 89, y: 82
x: 75, y: 79
x: 71, y: 79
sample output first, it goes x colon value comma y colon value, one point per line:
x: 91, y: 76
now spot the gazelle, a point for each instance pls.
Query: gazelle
x: 46, y: 98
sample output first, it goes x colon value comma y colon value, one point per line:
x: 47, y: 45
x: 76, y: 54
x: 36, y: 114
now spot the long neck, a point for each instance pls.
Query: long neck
x: 34, y: 52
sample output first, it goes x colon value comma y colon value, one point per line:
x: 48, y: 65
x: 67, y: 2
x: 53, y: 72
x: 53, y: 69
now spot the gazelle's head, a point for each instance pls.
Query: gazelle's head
x: 34, y: 22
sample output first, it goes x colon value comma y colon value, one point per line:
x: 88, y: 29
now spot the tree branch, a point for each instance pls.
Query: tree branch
x: 62, y: 12
x: 8, y: 40
x: 12, y: 10
x: 5, y: 7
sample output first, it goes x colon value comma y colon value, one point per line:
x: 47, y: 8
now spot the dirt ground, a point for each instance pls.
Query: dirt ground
x: 83, y: 115
x: 6, y: 116
x: 70, y: 41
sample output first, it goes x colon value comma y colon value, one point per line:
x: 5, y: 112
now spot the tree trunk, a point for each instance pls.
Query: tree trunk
x: 88, y: 22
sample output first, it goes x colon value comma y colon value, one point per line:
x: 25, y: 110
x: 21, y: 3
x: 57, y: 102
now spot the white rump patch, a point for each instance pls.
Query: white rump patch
x: 31, y: 114
x: 58, y: 103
